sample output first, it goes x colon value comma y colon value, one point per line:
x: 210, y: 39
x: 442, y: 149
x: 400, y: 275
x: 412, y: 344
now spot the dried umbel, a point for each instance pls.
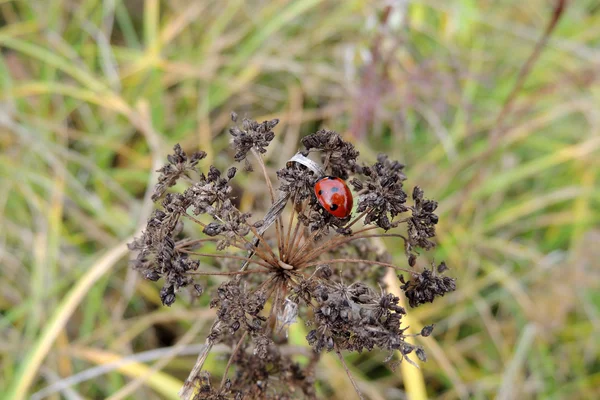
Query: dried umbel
x: 296, y: 261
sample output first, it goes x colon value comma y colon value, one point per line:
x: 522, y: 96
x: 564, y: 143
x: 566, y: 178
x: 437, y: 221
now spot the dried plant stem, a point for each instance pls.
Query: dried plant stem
x: 235, y: 350
x: 306, y: 244
x: 368, y: 228
x: 188, y: 389
x: 261, y: 162
x: 379, y: 236
x: 278, y: 225
x: 202, y: 224
x: 231, y: 257
x: 262, y: 285
x: 331, y: 244
x: 354, y: 384
x: 263, y: 242
x: 297, y: 239
x: 356, y: 261
x: 233, y: 273
x: 335, y: 242
x: 286, y: 244
x: 358, y: 218
x: 271, y: 290
x: 272, y: 312
x: 316, y: 252
x: 296, y: 229
x: 182, y: 246
x: 341, y: 241
x: 256, y: 250
x: 184, y: 243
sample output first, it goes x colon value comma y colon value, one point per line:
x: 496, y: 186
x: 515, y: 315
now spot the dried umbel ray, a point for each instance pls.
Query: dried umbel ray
x: 296, y: 262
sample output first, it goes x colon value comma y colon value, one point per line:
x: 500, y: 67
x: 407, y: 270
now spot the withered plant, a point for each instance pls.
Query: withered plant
x: 295, y: 262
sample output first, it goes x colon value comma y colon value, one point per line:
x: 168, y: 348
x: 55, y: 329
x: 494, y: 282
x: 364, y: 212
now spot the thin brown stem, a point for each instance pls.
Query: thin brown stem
x: 307, y: 243
x: 337, y: 242
x: 273, y: 311
x: 362, y: 214
x: 265, y: 173
x: 227, y: 273
x: 235, y: 350
x: 330, y: 244
x: 271, y: 290
x: 278, y: 225
x: 365, y: 229
x: 317, y: 251
x: 254, y: 248
x: 378, y: 235
x: 295, y: 242
x: 286, y: 243
x: 262, y: 241
x: 296, y: 229
x: 279, y: 232
x: 183, y: 245
x: 347, y: 226
x: 354, y: 384
x: 231, y: 257
x: 299, y: 249
x: 354, y: 260
x: 202, y: 224
x: 188, y: 389
x: 263, y: 284
x: 270, y: 257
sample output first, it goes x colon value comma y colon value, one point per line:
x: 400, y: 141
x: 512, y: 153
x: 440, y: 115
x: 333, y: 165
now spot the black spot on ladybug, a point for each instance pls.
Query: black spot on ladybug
x: 333, y: 207
x: 335, y: 189
x: 320, y: 192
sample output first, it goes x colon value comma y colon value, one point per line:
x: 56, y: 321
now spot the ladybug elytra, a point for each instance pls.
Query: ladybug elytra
x: 334, y: 195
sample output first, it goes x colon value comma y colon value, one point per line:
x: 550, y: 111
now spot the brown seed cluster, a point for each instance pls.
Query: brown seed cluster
x: 294, y: 263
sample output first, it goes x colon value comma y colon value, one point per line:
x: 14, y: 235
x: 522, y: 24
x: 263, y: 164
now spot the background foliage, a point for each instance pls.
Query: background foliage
x: 95, y: 93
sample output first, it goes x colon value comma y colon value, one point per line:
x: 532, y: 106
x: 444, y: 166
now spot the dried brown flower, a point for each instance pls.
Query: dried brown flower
x: 426, y: 286
x: 252, y: 135
x: 294, y: 262
x: 179, y: 165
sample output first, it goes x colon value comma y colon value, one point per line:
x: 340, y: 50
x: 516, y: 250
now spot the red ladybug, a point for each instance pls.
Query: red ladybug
x: 334, y: 195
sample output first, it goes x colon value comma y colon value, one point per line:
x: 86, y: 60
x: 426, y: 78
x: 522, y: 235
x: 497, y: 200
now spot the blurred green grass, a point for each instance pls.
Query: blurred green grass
x: 94, y: 95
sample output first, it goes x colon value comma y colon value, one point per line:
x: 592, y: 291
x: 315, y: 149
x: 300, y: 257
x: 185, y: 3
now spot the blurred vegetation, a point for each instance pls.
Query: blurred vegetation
x: 95, y: 93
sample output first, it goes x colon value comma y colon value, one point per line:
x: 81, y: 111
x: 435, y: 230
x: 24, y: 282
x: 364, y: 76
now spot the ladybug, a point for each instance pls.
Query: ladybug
x: 334, y: 195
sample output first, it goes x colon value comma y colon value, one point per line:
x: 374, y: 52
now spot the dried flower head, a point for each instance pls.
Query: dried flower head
x: 251, y: 136
x: 179, y: 166
x: 381, y: 196
x: 338, y: 155
x: 294, y: 262
x: 426, y: 286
